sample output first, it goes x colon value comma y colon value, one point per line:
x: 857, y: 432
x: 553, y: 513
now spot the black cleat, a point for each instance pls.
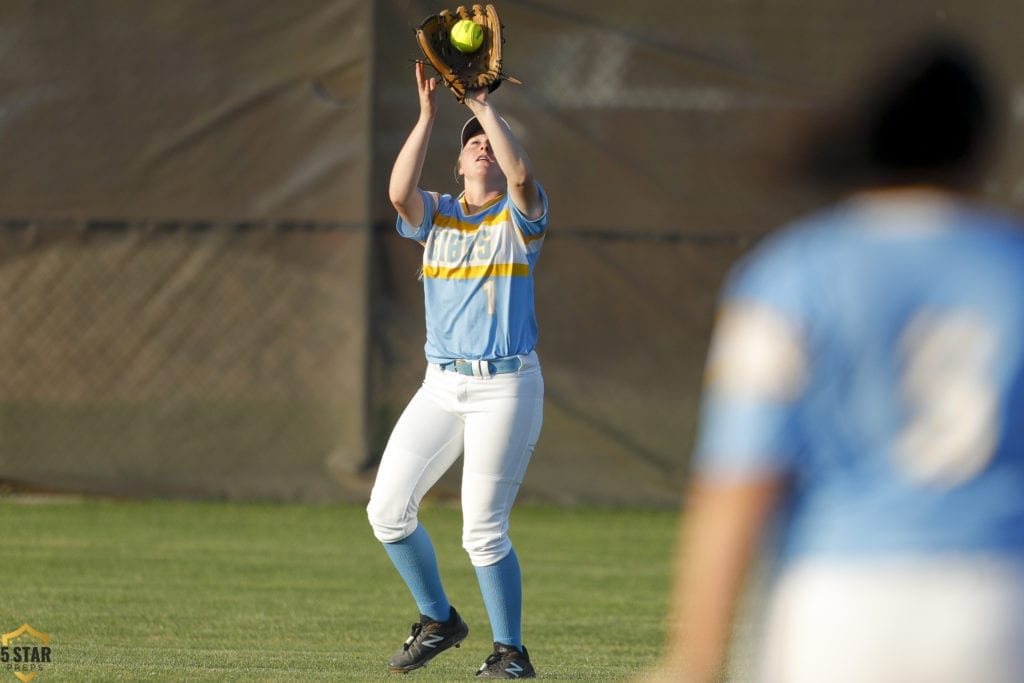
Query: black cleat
x: 507, y: 662
x: 428, y: 639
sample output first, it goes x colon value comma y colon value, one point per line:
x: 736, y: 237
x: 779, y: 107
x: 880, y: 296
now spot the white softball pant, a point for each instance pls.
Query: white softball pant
x: 494, y: 422
x: 941, y: 620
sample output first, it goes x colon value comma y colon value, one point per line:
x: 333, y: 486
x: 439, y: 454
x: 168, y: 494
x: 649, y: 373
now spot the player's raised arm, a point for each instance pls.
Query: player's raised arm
x: 509, y: 154
x: 403, y: 189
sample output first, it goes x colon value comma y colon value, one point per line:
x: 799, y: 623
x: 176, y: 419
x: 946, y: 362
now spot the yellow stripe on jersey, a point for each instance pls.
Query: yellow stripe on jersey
x: 442, y: 221
x: 503, y: 216
x: 477, y: 272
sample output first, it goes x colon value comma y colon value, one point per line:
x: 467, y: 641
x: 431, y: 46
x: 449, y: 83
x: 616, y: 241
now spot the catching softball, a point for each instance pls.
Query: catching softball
x: 465, y: 49
x: 483, y: 394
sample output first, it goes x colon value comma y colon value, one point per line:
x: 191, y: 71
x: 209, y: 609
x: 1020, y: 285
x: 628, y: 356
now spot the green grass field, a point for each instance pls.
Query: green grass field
x: 233, y: 592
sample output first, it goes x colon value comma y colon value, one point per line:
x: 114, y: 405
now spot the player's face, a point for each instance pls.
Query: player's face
x: 477, y: 158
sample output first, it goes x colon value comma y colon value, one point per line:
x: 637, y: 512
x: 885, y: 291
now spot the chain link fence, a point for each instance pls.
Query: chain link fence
x: 181, y: 358
x: 248, y: 356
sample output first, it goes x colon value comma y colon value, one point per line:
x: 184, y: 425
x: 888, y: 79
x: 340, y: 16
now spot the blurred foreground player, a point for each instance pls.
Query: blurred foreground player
x: 863, y: 413
x: 483, y: 394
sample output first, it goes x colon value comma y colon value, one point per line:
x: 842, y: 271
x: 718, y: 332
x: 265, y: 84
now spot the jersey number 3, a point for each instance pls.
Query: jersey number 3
x: 953, y: 403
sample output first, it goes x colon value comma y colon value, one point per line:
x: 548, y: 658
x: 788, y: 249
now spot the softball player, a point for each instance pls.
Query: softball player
x: 865, y: 388
x: 483, y: 393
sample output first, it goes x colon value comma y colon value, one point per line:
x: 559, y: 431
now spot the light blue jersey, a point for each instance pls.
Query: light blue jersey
x: 477, y: 277
x: 873, y: 353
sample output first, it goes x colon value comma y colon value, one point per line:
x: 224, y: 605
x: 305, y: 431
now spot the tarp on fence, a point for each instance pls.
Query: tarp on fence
x: 203, y: 292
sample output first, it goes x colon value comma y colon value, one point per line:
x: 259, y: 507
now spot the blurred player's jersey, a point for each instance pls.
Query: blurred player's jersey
x: 873, y: 352
x: 477, y: 277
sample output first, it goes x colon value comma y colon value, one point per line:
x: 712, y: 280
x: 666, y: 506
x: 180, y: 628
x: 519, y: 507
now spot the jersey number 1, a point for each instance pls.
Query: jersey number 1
x: 489, y: 291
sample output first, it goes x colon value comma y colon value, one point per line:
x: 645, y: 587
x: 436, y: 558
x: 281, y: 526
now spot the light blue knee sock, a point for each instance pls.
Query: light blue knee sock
x: 501, y: 585
x: 416, y: 561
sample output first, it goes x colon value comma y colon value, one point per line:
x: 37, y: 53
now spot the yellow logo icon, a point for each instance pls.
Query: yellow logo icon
x: 25, y: 652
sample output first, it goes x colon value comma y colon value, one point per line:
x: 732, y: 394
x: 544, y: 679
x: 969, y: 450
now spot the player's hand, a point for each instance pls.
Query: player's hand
x: 476, y: 97
x: 427, y: 88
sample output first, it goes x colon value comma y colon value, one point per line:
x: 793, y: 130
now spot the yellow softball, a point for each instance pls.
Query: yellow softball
x: 467, y: 35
